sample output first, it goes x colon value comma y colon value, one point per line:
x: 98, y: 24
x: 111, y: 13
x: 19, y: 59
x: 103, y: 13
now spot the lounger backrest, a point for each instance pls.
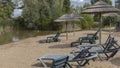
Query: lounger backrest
x: 116, y: 45
x: 112, y: 44
x: 109, y: 44
x: 109, y: 37
x: 82, y: 55
x: 111, y: 47
x: 60, y: 62
x: 57, y: 34
x: 95, y: 35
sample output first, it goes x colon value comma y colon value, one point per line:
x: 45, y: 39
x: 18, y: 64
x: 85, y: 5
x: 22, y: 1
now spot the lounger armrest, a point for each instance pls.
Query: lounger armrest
x: 83, y: 38
x: 89, y: 45
x: 92, y: 56
x: 49, y: 38
x: 90, y: 35
x: 75, y: 51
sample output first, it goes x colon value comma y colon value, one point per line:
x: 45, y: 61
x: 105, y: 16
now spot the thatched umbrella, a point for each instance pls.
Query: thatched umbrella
x: 100, y: 7
x: 111, y: 15
x: 68, y: 18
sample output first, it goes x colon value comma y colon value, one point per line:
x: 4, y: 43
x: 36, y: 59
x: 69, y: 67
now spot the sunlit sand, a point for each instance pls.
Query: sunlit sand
x: 24, y: 53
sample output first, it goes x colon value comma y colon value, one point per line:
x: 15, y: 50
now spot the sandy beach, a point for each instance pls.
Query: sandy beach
x: 24, y: 53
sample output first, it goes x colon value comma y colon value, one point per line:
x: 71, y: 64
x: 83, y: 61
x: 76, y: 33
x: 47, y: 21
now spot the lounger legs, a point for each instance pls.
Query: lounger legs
x: 42, y: 62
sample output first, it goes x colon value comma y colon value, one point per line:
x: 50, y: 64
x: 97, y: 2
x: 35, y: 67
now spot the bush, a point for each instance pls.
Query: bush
x: 87, y: 22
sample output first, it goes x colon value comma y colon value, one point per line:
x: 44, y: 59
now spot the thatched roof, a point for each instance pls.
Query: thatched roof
x: 68, y: 17
x: 100, y: 7
x: 111, y: 15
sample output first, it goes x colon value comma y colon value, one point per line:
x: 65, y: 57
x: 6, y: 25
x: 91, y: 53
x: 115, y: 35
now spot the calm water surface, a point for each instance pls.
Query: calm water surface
x: 16, y: 35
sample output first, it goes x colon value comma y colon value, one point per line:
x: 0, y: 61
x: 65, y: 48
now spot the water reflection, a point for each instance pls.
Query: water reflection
x: 14, y: 39
x: 16, y: 35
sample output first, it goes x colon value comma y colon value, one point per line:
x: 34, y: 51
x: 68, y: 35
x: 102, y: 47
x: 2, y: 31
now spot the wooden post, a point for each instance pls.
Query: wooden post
x: 66, y: 31
x: 100, y: 27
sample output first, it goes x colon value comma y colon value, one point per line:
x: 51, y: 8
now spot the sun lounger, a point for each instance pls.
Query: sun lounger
x: 59, y: 61
x: 51, y: 38
x: 82, y: 58
x: 109, y: 49
x: 90, y: 38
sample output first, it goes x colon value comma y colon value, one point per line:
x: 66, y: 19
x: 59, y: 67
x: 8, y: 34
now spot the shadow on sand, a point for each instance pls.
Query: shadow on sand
x: 60, y: 46
x: 37, y: 65
x: 40, y: 65
x: 116, y: 61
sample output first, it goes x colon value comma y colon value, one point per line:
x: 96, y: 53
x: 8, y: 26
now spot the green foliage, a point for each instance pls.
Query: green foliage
x: 40, y: 14
x: 5, y: 12
x: 118, y: 19
x: 109, y: 20
x: 86, y: 5
x: 87, y: 22
x: 55, y: 26
x: 66, y: 6
x: 19, y: 21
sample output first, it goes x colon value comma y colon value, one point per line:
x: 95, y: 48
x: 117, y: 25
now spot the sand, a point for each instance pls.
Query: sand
x: 24, y: 53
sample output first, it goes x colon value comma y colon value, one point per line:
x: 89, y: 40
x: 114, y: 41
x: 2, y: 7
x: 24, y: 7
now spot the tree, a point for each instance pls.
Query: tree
x: 66, y: 6
x: 6, y: 8
x: 87, y: 21
x: 109, y: 20
x: 39, y: 14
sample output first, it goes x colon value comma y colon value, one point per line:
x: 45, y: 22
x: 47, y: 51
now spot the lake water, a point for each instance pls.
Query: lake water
x: 16, y: 35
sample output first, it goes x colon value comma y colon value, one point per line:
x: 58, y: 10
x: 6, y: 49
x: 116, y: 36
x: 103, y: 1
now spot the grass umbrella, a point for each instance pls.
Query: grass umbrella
x: 68, y: 18
x: 100, y: 7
